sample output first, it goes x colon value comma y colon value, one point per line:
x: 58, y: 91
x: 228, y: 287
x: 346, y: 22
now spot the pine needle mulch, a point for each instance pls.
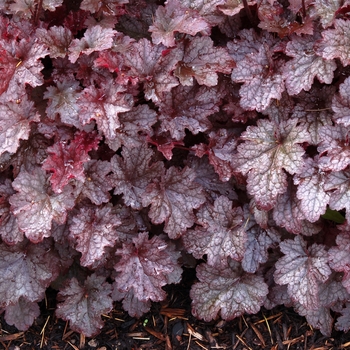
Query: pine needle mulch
x: 170, y: 326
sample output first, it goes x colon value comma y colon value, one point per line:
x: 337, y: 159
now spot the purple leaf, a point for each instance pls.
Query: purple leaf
x: 136, y: 125
x: 173, y: 199
x: 9, y: 230
x: 335, y: 43
x: 84, y: 305
x: 16, y: 118
x: 262, y: 78
x: 96, y: 38
x: 66, y: 160
x: 301, y: 268
x: 173, y: 18
x: 221, y: 234
x: 22, y: 313
x: 146, y: 265
x: 341, y: 104
x: 133, y: 173
x: 56, y: 39
x: 339, y: 256
x: 226, y: 290
x: 93, y: 229
x: 103, y: 105
x: 131, y: 304
x: 35, y: 206
x: 63, y: 101
x: 96, y: 187
x: 287, y: 213
x: 152, y: 65
x: 301, y: 71
x: 26, y: 270
x: 268, y: 150
x: 333, y: 148
x: 311, y: 190
x: 188, y: 108
x: 202, y: 61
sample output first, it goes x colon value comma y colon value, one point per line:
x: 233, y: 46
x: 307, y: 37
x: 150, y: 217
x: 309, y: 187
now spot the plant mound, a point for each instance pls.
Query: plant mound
x: 138, y: 137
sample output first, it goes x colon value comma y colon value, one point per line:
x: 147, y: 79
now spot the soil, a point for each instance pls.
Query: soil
x: 170, y: 326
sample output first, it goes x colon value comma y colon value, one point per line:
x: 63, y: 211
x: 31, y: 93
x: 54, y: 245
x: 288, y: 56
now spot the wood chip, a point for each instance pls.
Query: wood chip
x: 11, y: 336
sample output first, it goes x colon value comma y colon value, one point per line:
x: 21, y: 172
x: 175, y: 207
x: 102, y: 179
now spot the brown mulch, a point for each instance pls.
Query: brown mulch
x: 171, y: 326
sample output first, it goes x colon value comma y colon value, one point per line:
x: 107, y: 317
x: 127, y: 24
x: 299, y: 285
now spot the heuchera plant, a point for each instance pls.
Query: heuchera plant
x: 135, y: 132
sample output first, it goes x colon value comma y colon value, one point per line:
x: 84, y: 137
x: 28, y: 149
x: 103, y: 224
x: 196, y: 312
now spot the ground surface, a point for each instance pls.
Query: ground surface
x: 171, y: 326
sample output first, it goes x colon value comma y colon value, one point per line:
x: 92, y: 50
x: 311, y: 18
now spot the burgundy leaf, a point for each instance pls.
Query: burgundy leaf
x: 9, y: 230
x: 334, y: 149
x: 173, y: 199
x: 287, y: 213
x: 341, y: 104
x: 26, y: 270
x: 109, y: 6
x: 268, y: 150
x: 257, y: 244
x: 261, y: 75
x: 343, y: 321
x: 339, y: 184
x: 335, y: 43
x: 202, y: 61
x: 22, y: 313
x: 133, y: 173
x: 16, y: 118
x: 221, y: 234
x: 96, y: 38
x: 188, y: 108
x: 222, y: 145
x: 56, y: 39
x: 153, y: 65
x: 93, y: 229
x: 83, y: 305
x: 339, y: 257
x: 301, y: 268
x: 66, y: 160
x: 103, y: 105
x: 131, y: 304
x: 301, y: 71
x: 173, y: 18
x: 35, y: 206
x: 209, y: 179
x: 314, y: 110
x: 311, y: 190
x: 326, y: 10
x: 136, y: 125
x: 146, y: 265
x: 63, y: 101
x: 96, y: 187
x: 226, y: 290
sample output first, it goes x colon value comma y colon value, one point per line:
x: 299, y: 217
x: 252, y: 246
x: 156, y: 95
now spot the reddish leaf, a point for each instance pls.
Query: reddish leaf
x: 83, y: 306
x: 302, y: 268
x: 145, y: 266
x: 132, y: 173
x: 173, y: 200
x: 226, y: 289
x: 22, y: 313
x: 96, y: 38
x: 66, y: 160
x: 16, y: 118
x: 335, y: 43
x: 221, y: 234
x: 35, y: 206
x: 26, y: 270
x: 301, y: 71
x: 202, y: 61
x: 93, y: 229
x: 268, y: 150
